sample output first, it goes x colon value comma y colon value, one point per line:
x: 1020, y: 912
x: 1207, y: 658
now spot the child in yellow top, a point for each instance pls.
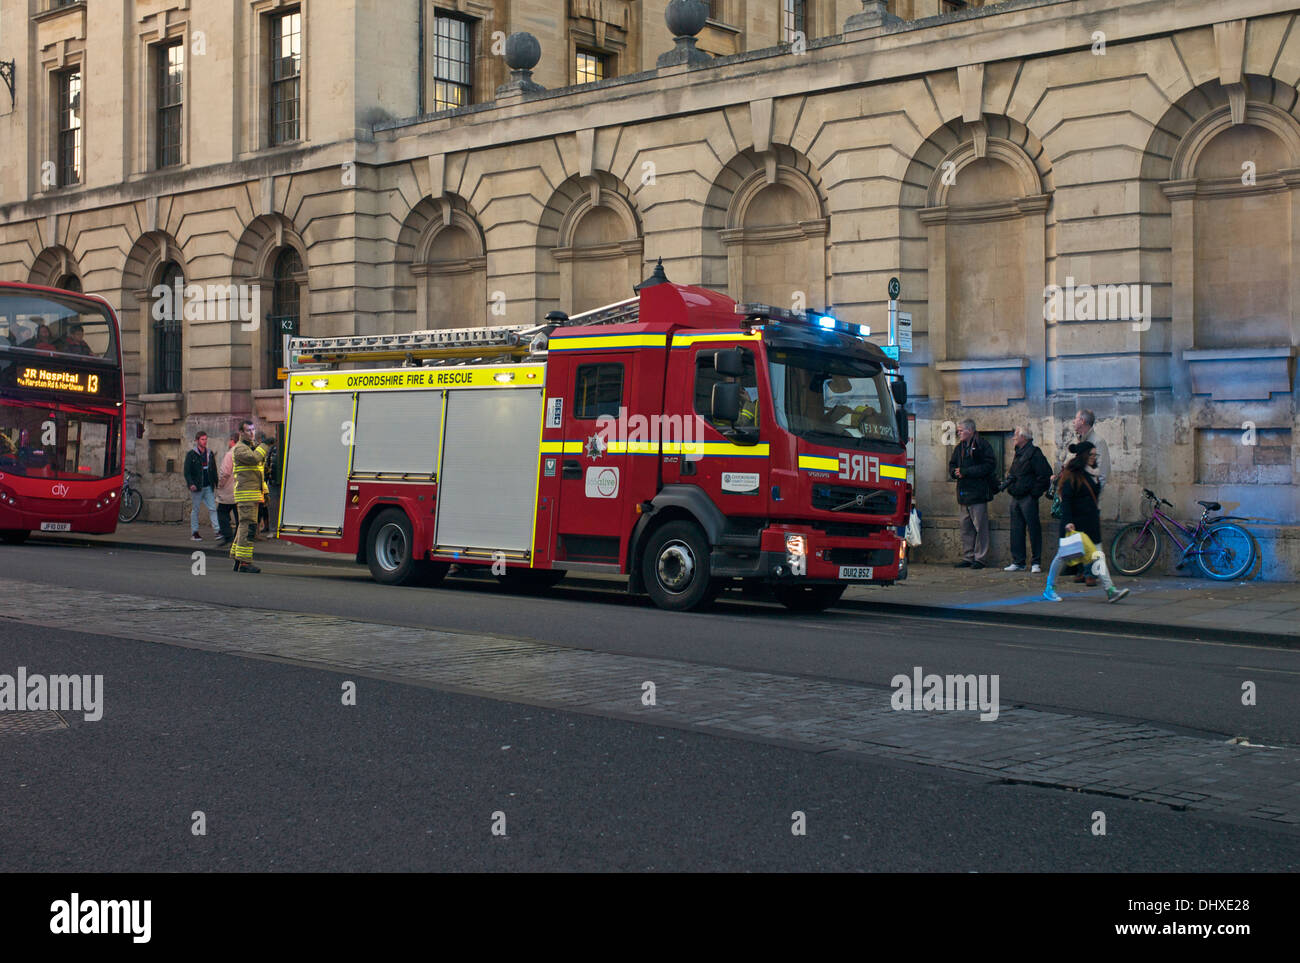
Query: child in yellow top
x: 1078, y: 548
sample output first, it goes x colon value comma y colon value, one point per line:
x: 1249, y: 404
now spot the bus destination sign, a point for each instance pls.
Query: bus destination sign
x: 54, y: 379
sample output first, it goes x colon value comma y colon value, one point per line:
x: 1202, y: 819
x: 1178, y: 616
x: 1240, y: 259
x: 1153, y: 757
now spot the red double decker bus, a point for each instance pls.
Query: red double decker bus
x: 62, y: 431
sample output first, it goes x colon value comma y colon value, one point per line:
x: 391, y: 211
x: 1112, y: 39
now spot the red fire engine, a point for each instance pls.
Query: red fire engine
x: 678, y: 438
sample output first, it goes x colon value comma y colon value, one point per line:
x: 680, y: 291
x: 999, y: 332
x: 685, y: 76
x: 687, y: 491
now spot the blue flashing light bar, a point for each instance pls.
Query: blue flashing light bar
x: 827, y: 322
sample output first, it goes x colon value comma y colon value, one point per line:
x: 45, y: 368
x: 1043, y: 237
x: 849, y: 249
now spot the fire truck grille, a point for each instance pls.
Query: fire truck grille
x: 855, y: 501
x: 860, y: 556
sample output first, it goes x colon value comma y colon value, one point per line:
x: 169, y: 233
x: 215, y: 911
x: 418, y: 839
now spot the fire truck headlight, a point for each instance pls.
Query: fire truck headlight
x: 796, y: 545
x: 319, y: 383
x: 504, y: 377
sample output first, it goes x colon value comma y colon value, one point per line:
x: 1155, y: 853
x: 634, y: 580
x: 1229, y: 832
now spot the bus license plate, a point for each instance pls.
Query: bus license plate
x: 56, y: 526
x: 855, y: 571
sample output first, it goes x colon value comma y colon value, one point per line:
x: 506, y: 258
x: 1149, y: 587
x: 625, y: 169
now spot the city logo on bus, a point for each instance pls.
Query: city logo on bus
x: 859, y: 467
x: 59, y: 490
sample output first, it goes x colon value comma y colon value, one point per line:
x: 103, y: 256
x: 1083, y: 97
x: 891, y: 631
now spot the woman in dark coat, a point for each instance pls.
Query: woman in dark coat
x: 1078, y: 490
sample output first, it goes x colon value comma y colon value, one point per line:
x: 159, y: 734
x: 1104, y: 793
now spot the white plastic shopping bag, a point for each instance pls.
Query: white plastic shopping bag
x: 913, y: 534
x: 1070, y: 546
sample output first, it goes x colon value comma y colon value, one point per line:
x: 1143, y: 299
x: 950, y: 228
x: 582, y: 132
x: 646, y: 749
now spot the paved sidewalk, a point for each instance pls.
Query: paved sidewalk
x: 1263, y: 612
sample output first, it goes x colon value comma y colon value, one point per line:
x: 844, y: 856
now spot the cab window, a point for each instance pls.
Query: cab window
x: 706, y: 376
x: 598, y: 390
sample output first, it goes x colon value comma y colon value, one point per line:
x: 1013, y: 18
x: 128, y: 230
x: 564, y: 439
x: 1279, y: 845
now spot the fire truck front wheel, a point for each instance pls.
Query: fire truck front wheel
x: 13, y: 536
x: 676, y: 567
x: 388, y: 549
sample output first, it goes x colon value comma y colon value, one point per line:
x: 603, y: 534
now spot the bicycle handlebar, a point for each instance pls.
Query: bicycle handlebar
x: 1156, y: 498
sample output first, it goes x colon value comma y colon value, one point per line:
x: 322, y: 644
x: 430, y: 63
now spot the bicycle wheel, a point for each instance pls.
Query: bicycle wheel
x: 1134, y: 548
x: 132, y: 502
x: 1225, y: 552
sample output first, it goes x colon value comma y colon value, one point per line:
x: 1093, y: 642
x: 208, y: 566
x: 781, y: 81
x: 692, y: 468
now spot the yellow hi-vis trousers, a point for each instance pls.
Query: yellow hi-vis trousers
x: 245, y: 532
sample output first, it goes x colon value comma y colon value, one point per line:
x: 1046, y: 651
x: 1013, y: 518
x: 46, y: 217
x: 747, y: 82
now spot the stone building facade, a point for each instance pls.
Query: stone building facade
x: 1090, y: 203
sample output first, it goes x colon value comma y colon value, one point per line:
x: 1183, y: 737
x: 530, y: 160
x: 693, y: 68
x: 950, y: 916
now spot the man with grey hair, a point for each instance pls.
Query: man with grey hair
x: 972, y: 466
x: 1085, y: 430
x: 1027, y: 480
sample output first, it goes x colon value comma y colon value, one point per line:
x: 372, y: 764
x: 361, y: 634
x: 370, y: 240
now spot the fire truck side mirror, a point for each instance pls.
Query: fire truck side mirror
x: 729, y: 363
x: 726, y: 401
x: 898, y: 388
x: 901, y: 414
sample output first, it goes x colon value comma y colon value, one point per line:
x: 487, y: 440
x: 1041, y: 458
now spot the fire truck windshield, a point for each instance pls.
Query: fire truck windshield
x: 832, y: 400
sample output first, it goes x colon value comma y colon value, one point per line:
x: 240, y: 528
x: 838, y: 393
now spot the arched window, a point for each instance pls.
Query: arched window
x: 168, y: 314
x: 285, y: 301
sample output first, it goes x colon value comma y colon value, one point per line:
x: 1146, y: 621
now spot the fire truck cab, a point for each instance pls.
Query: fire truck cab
x: 679, y: 439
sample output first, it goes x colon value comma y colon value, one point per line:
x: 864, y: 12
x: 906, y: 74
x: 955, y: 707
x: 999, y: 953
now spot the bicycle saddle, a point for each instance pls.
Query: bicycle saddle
x: 1212, y: 506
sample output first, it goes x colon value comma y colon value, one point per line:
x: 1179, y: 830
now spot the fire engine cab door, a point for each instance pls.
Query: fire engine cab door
x: 594, y: 465
x: 732, y: 471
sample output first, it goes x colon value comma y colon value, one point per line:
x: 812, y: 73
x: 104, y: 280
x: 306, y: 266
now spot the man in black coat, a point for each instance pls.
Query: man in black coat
x: 972, y: 465
x: 1028, y: 479
x: 201, y: 477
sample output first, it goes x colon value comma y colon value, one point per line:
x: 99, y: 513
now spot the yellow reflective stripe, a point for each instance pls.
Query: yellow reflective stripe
x: 686, y: 340
x: 715, y: 448
x: 608, y: 341
x: 551, y: 447
x: 819, y: 463
x: 893, y: 471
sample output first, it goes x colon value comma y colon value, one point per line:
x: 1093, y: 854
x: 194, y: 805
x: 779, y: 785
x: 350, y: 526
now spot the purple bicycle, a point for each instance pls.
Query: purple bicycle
x: 1222, y: 549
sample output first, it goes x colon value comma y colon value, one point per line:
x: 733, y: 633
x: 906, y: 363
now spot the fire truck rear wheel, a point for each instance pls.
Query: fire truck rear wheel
x: 809, y: 598
x: 676, y: 567
x: 14, y: 536
x: 388, y: 549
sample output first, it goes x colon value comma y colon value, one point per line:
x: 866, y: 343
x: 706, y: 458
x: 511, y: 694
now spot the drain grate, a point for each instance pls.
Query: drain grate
x: 25, y: 723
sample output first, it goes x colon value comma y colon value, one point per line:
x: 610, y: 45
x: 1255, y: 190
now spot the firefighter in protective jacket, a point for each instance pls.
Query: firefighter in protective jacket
x: 248, y: 496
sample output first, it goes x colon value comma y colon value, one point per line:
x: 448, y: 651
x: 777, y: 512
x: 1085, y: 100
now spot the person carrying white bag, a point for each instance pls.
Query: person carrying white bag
x: 1074, y: 549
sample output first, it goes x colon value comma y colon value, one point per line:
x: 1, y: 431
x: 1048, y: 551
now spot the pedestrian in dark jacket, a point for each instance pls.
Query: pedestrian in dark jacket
x: 972, y: 465
x: 1028, y: 479
x: 1079, y: 490
x: 201, y: 477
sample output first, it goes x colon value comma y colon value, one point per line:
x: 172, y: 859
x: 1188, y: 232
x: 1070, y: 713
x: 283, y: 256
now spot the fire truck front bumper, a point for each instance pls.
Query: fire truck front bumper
x: 803, y: 555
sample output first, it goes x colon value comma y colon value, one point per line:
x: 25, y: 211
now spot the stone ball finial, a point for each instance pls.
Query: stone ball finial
x: 686, y: 17
x: 522, y: 51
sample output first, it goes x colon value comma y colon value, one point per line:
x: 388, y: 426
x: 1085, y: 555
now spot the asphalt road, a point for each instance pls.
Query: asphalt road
x: 287, y: 778
x: 410, y: 777
x: 1191, y: 685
